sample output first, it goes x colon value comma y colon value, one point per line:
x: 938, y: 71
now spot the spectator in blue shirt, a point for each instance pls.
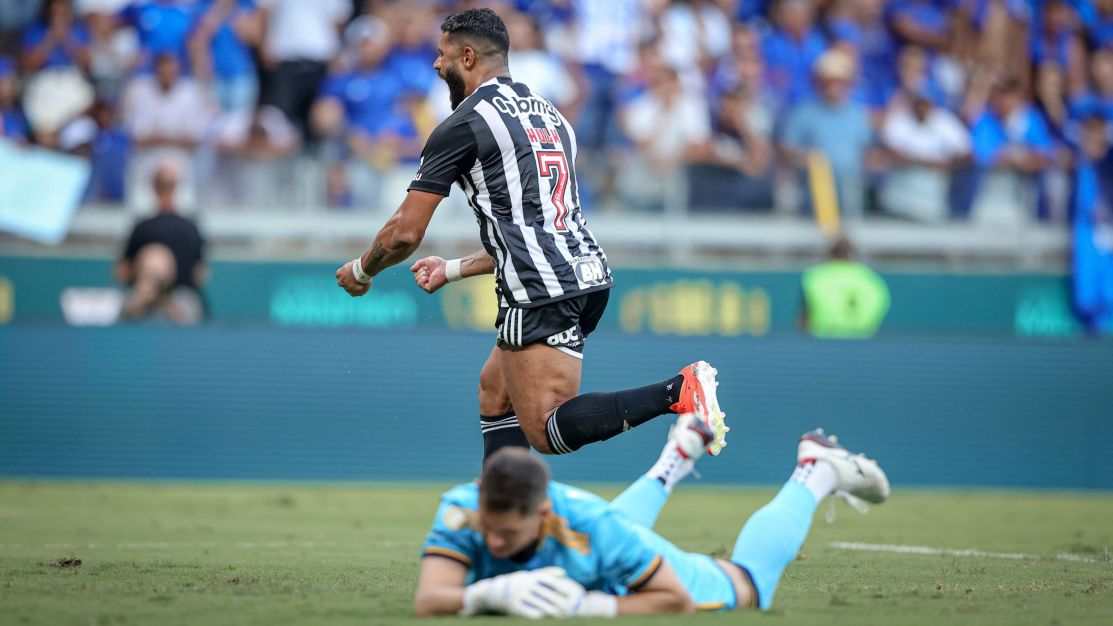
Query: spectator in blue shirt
x: 109, y: 156
x: 835, y: 126
x: 1100, y: 97
x: 164, y: 27
x: 13, y: 125
x: 790, y: 49
x: 863, y: 26
x: 371, y: 92
x: 547, y: 11
x: 1011, y: 134
x: 914, y: 76
x: 1099, y: 24
x: 220, y: 48
x: 751, y: 9
x: 1050, y: 95
x: 1055, y: 37
x: 1012, y: 145
x: 744, y: 66
x: 57, y: 40
x: 412, y: 51
x: 369, y: 106
x: 920, y: 22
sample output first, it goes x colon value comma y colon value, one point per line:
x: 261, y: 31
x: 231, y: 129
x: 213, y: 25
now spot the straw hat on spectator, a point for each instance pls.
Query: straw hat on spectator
x: 834, y: 64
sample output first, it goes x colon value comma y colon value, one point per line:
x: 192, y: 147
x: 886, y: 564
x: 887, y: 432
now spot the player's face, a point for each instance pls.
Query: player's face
x: 509, y: 532
x: 448, y: 66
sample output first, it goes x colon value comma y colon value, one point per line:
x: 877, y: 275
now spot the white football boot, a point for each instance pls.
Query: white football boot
x: 688, y: 439
x: 859, y: 478
x: 691, y: 435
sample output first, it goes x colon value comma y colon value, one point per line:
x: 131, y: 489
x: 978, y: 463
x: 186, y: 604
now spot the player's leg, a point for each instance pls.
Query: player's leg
x: 543, y: 380
x: 538, y: 380
x: 773, y: 535
x: 497, y: 419
x: 643, y: 500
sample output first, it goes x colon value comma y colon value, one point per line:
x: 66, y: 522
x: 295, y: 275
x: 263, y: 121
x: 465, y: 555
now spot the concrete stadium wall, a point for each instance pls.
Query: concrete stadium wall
x: 282, y: 403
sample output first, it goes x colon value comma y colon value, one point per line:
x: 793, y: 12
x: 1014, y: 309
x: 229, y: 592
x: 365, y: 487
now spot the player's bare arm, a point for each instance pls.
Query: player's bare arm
x: 433, y: 272
x: 440, y: 587
x: 664, y: 593
x: 397, y: 240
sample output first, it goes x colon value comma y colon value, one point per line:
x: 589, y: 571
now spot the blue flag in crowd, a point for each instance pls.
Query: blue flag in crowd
x: 1093, y: 246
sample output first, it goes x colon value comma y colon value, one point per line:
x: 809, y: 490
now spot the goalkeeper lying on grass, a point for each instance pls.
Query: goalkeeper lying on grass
x: 520, y: 544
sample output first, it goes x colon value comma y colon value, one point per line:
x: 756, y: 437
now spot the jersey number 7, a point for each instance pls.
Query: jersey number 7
x: 552, y: 164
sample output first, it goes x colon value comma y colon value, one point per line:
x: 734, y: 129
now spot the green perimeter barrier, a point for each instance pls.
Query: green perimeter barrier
x: 657, y: 302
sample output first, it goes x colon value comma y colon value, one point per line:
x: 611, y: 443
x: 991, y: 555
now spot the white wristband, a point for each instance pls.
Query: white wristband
x: 479, y: 596
x: 474, y: 600
x: 452, y: 270
x: 598, y: 604
x: 357, y: 271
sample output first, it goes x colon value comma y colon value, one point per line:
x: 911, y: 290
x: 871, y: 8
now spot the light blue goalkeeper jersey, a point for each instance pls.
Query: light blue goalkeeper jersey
x: 596, y: 544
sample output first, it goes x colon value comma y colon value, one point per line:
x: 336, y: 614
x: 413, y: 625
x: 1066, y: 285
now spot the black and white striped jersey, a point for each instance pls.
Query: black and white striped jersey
x: 512, y: 153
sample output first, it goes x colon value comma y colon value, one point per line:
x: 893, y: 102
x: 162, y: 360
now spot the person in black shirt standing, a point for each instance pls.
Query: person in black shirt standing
x: 163, y: 261
x: 512, y: 153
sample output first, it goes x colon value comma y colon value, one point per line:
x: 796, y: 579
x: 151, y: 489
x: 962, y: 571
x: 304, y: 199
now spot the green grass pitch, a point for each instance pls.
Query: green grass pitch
x: 171, y: 553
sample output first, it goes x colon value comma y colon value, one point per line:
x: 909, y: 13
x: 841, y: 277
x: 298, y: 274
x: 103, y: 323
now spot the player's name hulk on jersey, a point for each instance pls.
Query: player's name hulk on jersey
x: 513, y: 155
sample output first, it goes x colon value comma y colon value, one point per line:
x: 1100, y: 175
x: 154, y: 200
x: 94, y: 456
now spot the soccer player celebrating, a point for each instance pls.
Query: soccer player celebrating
x: 517, y: 543
x: 512, y: 153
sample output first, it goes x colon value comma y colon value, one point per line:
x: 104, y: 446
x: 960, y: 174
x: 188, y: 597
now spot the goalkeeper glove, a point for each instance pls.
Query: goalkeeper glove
x: 546, y: 592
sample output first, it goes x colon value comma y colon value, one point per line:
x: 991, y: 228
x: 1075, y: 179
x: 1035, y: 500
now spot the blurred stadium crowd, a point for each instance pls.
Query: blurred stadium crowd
x: 929, y: 110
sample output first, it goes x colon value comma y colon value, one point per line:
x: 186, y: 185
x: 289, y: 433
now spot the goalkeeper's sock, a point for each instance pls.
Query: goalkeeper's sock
x: 501, y: 431
x: 772, y: 537
x: 818, y: 476
x: 595, y: 417
x: 642, y: 501
x: 671, y: 467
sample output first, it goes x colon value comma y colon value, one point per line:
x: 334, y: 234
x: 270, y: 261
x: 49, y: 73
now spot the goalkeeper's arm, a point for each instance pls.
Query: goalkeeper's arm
x: 440, y: 587
x: 547, y: 592
x: 663, y: 593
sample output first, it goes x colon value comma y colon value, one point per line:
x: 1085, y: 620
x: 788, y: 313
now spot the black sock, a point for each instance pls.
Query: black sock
x: 595, y: 417
x: 500, y: 431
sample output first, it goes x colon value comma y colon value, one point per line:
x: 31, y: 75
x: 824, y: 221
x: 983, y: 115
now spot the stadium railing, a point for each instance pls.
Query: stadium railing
x: 663, y: 238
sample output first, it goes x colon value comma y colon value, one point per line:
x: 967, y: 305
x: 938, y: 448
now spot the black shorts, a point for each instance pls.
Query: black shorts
x: 563, y: 324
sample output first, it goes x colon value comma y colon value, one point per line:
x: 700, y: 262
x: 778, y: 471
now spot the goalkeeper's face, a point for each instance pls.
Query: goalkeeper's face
x: 507, y: 533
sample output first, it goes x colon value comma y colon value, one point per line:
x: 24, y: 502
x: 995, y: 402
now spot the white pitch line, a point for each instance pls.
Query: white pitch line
x: 250, y: 545
x: 925, y: 550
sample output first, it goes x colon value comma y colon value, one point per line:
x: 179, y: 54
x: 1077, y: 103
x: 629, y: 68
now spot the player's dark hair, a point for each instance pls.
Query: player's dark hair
x: 512, y: 480
x: 479, y: 24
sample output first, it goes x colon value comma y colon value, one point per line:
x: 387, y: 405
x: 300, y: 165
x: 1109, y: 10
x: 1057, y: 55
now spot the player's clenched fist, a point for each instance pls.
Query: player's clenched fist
x: 429, y: 273
x: 346, y: 277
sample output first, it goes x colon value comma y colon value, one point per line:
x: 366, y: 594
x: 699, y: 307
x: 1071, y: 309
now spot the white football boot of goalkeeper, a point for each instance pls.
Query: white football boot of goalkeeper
x: 691, y: 435
x: 858, y: 475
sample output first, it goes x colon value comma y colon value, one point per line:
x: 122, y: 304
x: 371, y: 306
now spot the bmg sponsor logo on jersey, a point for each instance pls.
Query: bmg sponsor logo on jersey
x: 531, y: 105
x: 566, y: 338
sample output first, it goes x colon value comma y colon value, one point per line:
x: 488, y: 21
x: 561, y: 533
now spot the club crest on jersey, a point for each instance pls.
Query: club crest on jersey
x: 526, y: 106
